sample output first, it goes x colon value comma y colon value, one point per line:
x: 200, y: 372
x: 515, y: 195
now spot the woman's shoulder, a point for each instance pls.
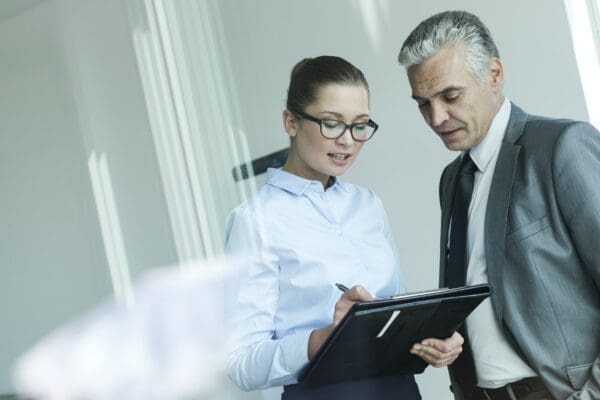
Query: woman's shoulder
x: 258, y: 204
x: 250, y: 204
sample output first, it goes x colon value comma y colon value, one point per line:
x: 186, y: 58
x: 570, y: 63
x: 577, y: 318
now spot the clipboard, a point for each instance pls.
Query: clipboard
x: 374, y: 338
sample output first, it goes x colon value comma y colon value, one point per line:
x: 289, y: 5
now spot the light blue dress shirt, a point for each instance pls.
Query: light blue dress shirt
x: 296, y: 240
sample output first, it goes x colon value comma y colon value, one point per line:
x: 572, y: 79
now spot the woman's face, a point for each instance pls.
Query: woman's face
x: 312, y: 156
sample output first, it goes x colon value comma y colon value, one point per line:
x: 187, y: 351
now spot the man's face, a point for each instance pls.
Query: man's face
x: 458, y: 107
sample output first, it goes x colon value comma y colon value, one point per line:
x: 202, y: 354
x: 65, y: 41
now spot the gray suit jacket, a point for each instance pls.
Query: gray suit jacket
x: 542, y: 249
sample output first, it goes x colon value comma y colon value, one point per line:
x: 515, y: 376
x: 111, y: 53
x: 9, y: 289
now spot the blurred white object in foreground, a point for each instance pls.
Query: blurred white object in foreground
x: 169, y: 345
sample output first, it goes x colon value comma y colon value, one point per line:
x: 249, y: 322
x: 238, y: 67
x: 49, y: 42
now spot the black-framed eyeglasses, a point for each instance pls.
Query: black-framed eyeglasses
x: 333, y: 129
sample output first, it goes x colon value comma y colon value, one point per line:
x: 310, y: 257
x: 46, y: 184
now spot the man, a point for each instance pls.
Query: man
x: 520, y: 211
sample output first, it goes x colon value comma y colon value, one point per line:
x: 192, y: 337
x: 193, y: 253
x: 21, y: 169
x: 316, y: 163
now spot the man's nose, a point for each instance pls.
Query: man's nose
x: 439, y: 115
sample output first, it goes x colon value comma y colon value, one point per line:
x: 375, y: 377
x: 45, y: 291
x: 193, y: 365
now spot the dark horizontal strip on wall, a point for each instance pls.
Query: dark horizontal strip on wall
x: 259, y: 165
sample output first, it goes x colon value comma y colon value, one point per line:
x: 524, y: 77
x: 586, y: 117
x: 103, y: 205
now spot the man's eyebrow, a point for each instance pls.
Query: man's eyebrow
x: 443, y: 91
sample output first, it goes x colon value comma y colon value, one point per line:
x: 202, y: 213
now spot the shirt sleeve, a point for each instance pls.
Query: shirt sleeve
x: 258, y: 359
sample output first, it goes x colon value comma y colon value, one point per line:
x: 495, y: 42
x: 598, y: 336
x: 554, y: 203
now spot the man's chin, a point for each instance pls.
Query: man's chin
x: 455, y: 146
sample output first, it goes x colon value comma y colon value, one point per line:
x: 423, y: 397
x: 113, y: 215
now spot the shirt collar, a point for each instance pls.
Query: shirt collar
x: 484, y: 152
x: 297, y: 185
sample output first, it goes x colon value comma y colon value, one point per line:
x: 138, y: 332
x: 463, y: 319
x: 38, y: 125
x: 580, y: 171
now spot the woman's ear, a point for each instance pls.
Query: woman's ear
x: 290, y: 123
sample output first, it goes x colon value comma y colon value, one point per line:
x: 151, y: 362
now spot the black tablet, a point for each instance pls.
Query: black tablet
x: 374, y: 338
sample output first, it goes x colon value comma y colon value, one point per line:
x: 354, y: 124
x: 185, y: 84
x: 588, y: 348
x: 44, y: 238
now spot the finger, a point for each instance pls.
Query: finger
x: 338, y: 316
x: 341, y: 308
x: 446, y: 345
x: 435, y: 347
x: 453, y: 341
x: 435, y: 353
x: 457, y: 336
x: 358, y: 293
x: 435, y: 361
x: 438, y: 363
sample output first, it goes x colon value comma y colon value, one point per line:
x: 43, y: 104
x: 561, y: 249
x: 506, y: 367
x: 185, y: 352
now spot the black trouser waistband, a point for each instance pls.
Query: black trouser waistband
x: 512, y: 391
x: 401, y: 387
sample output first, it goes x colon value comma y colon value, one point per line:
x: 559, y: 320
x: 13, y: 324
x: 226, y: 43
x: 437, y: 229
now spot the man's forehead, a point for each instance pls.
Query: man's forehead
x: 437, y: 77
x: 429, y: 85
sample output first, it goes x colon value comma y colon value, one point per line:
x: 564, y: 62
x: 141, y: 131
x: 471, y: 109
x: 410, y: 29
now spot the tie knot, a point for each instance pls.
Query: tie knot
x: 467, y: 166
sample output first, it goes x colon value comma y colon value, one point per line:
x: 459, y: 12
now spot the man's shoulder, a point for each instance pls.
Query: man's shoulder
x: 537, y: 122
x: 541, y: 132
x: 551, y: 125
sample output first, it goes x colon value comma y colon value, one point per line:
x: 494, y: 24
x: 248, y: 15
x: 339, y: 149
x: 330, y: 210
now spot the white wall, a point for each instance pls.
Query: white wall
x: 51, y: 256
x: 113, y: 120
x: 404, y: 161
x: 69, y: 85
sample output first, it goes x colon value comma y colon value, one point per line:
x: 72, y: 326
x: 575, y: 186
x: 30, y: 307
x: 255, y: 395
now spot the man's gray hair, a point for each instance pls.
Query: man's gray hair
x: 448, y: 29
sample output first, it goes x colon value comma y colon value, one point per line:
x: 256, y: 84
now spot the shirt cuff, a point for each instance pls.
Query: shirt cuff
x: 295, y: 351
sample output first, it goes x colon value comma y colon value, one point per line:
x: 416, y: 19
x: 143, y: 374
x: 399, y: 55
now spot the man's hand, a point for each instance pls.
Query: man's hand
x: 437, y: 352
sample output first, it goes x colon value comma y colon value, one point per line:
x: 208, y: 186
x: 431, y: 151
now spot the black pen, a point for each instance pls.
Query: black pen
x: 342, y: 287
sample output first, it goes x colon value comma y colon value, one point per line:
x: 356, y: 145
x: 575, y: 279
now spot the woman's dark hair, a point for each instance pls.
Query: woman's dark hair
x: 310, y: 74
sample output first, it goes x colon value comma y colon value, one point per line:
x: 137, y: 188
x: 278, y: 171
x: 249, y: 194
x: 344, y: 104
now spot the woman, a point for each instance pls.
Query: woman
x: 306, y: 230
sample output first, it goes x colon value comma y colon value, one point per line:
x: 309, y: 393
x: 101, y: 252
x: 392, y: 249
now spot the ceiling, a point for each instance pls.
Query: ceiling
x: 10, y: 8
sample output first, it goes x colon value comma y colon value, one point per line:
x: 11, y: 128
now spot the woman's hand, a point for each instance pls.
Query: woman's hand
x: 345, y: 302
x: 347, y: 299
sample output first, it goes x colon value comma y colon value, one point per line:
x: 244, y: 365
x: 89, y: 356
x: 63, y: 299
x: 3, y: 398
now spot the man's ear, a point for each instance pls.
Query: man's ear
x: 496, y: 74
x: 290, y: 123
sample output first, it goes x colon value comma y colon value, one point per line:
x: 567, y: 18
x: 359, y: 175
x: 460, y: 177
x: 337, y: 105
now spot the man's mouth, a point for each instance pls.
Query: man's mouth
x: 448, y: 131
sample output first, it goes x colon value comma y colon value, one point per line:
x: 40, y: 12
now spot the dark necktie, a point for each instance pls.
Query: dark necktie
x: 457, y: 256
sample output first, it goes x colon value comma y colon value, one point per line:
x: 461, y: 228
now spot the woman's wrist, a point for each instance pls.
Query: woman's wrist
x: 317, y: 338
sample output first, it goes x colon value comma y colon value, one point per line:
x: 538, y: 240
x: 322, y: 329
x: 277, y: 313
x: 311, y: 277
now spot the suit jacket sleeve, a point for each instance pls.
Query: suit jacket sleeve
x: 576, y: 173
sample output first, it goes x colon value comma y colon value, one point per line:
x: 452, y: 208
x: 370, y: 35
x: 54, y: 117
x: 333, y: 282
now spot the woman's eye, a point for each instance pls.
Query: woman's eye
x: 331, y: 124
x: 359, y: 127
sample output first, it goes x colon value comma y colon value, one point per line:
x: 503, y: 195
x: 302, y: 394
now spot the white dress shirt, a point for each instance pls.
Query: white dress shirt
x: 496, y: 362
x: 298, y: 240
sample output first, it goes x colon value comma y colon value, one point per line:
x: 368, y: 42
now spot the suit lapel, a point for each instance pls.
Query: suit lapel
x: 496, y: 219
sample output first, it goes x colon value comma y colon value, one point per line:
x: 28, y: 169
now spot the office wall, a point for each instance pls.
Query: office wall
x: 51, y: 256
x: 404, y: 161
x: 113, y: 120
x: 69, y: 85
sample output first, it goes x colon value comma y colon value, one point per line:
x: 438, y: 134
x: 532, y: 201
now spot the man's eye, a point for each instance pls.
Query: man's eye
x: 452, y: 98
x: 423, y: 104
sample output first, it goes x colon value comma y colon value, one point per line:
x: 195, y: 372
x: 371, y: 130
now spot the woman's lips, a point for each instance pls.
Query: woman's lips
x: 339, y: 158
